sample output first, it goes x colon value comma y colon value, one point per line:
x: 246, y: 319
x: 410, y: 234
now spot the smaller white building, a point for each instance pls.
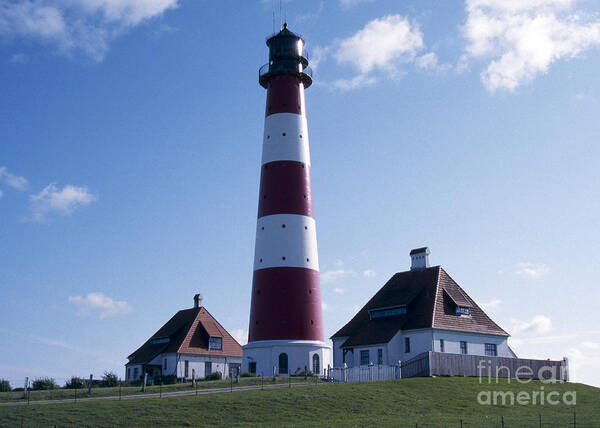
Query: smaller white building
x: 191, y: 344
x: 417, y: 311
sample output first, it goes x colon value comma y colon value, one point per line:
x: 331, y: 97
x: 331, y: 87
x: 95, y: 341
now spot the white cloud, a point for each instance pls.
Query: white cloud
x: 240, y: 335
x: 61, y: 201
x: 339, y: 291
x: 100, y: 305
x: 19, y: 58
x: 590, y: 345
x: 380, y: 44
x: 378, y: 50
x: 351, y: 3
x: 325, y: 307
x: 532, y: 270
x: 429, y: 62
x: 12, y: 181
x: 331, y: 276
x: 523, y: 38
x: 77, y: 25
x: 540, y: 324
x: 369, y: 273
x: 492, y: 304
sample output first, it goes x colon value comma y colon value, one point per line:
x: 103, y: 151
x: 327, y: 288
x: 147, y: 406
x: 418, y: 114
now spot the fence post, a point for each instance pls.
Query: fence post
x: 25, y: 386
x: 145, y: 380
x: 90, y: 385
x: 75, y: 394
x: 502, y: 421
x: 119, y: 390
x: 574, y: 419
x: 196, y: 388
x: 289, y: 380
x: 160, y: 389
x: 262, y: 382
x: 231, y: 379
x: 540, y: 420
x: 461, y: 424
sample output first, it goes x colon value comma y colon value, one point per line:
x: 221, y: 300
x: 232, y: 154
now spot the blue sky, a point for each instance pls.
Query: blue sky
x: 130, y: 138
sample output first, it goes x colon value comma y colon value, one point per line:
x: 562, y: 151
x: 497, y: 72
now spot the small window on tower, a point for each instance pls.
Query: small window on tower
x: 283, y: 134
x: 283, y: 225
x: 283, y: 258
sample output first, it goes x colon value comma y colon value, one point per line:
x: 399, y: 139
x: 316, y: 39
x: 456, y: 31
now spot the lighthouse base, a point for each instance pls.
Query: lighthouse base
x: 286, y: 357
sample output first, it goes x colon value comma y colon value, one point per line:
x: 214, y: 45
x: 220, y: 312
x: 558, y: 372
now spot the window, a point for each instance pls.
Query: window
x: 364, y: 357
x: 388, y: 312
x: 491, y: 350
x: 207, y: 368
x: 407, y: 345
x: 380, y: 356
x: 316, y: 364
x: 252, y: 367
x: 463, y: 310
x: 186, y: 370
x: 441, y: 345
x: 463, y: 347
x: 135, y: 373
x: 128, y: 373
x: 215, y: 343
x: 165, y: 364
x: 283, y: 363
x: 159, y: 341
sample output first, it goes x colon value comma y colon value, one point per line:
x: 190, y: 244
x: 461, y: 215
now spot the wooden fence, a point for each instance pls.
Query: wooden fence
x: 444, y: 364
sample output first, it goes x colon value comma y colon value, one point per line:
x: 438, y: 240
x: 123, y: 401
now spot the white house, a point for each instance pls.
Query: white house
x: 191, y: 343
x: 416, y: 311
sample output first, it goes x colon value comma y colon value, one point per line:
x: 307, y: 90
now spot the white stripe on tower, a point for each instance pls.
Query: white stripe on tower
x: 286, y: 138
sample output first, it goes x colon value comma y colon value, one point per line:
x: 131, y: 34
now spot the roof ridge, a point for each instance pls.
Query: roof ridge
x: 435, y: 299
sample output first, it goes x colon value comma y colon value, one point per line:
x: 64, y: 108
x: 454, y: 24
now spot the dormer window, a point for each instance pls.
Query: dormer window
x: 215, y: 343
x: 463, y: 310
x: 160, y: 340
x: 387, y: 312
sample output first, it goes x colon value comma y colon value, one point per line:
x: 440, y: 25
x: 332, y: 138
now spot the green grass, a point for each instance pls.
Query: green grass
x: 439, y: 402
x: 61, y: 394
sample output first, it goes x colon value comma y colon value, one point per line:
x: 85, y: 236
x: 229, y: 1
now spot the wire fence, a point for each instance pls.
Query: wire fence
x: 567, y: 417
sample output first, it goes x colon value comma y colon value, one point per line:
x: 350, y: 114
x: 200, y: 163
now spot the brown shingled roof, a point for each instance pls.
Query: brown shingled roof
x: 188, y: 332
x: 430, y: 295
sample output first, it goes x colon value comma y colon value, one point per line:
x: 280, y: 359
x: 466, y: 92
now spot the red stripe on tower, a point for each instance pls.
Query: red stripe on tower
x: 286, y: 320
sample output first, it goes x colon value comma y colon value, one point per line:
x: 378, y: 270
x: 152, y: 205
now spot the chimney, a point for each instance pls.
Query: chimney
x: 419, y: 258
x: 197, y: 300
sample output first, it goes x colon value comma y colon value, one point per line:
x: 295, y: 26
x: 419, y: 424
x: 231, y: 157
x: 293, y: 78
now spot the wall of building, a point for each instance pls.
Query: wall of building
x: 300, y: 355
x: 475, y: 343
x: 421, y: 341
x: 198, y: 364
x: 337, y: 351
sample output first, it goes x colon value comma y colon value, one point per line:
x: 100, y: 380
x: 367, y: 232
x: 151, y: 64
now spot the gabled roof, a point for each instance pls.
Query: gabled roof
x: 431, y: 297
x: 187, y: 332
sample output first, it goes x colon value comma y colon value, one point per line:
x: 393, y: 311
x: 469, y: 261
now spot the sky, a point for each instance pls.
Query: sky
x: 130, y: 139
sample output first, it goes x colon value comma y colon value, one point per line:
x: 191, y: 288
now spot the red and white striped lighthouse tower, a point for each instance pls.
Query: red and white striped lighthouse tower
x: 286, y: 319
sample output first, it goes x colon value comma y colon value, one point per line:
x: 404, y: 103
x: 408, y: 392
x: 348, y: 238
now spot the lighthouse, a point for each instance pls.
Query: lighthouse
x: 285, y: 334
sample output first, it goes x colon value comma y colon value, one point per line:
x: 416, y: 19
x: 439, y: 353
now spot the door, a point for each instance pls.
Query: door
x: 283, y: 363
x: 316, y: 366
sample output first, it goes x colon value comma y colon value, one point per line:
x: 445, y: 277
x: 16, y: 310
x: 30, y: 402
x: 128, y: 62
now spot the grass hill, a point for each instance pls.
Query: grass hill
x: 422, y: 402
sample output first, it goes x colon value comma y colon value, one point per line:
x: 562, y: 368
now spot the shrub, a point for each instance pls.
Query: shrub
x: 75, y: 383
x: 248, y: 374
x: 44, y: 383
x: 213, y: 376
x: 4, y: 385
x: 110, y: 379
